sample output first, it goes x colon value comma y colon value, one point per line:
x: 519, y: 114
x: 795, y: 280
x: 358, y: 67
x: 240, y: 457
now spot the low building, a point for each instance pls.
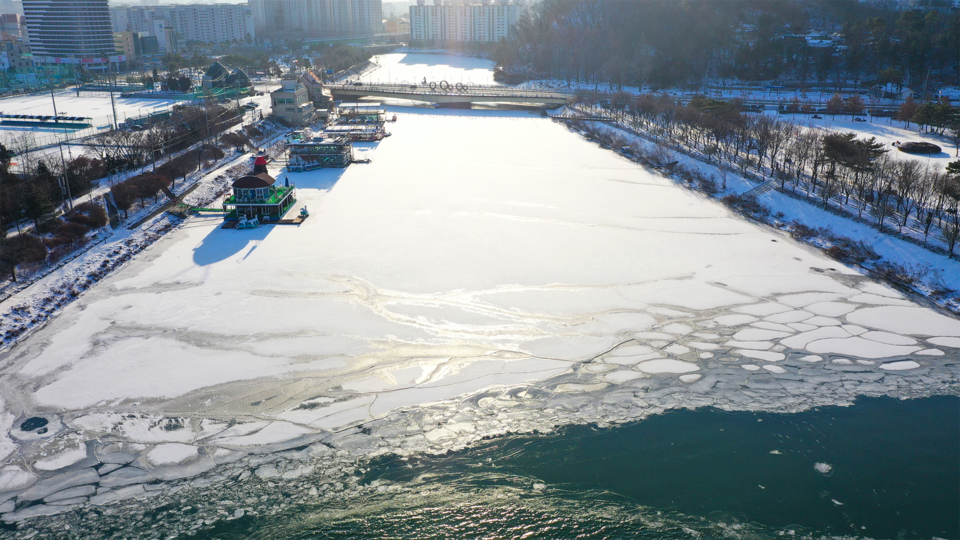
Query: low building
x: 257, y: 196
x: 357, y: 132
x: 396, y: 26
x: 320, y: 153
x: 127, y: 44
x: 320, y: 96
x: 15, y: 55
x: 149, y: 45
x: 218, y: 79
x: 292, y: 103
x: 361, y: 113
x: 166, y: 37
x: 12, y: 27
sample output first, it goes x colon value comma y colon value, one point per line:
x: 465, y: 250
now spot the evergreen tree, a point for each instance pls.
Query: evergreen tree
x: 36, y: 203
x: 5, y: 157
x: 953, y: 169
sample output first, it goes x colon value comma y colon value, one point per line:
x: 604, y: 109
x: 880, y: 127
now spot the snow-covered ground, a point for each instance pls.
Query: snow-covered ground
x: 96, y: 106
x: 488, y: 271
x: 886, y: 131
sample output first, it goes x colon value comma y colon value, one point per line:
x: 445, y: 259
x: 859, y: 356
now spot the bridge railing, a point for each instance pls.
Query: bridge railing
x: 420, y: 89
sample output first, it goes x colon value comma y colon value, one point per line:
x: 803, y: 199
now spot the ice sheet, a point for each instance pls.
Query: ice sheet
x: 906, y: 320
x: 511, y: 266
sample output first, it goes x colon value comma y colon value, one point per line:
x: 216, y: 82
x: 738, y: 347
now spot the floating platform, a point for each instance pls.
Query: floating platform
x: 232, y: 223
x: 295, y: 221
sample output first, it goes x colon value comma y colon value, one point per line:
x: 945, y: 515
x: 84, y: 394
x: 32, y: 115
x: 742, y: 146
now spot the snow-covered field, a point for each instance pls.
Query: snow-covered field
x: 488, y: 271
x: 95, y: 106
x: 887, y: 132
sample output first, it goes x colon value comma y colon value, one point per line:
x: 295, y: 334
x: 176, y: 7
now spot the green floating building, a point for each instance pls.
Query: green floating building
x: 319, y: 153
x: 257, y: 196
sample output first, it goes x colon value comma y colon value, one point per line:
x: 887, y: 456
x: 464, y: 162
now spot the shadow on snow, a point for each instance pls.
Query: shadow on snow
x: 222, y: 244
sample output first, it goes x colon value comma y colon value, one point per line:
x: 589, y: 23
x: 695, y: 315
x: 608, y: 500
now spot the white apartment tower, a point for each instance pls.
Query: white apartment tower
x: 70, y: 32
x: 317, y: 18
x: 462, y: 21
x: 205, y: 23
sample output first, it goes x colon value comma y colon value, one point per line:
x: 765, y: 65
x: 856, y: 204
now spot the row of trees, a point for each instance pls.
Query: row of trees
x: 121, y: 150
x: 41, y: 185
x: 50, y: 240
x: 666, y: 43
x: 150, y: 184
x: 38, y: 184
x: 839, y: 169
x: 44, y: 182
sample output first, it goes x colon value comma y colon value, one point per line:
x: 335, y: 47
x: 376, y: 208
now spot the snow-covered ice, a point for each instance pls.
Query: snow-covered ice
x: 370, y: 284
x: 413, y: 67
x: 172, y: 453
x: 485, y: 261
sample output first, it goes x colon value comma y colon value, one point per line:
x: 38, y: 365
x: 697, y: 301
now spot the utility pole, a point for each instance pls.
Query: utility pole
x: 113, y: 104
x: 66, y: 177
x: 52, y: 98
x: 153, y: 145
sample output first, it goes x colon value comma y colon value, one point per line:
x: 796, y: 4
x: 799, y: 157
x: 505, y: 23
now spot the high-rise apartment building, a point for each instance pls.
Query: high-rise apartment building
x: 317, y: 18
x: 11, y: 6
x: 462, y: 21
x: 213, y: 23
x: 12, y: 27
x: 70, y: 32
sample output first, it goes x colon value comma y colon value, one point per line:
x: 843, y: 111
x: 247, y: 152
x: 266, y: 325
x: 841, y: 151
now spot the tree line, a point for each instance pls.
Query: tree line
x: 39, y: 195
x: 665, y: 43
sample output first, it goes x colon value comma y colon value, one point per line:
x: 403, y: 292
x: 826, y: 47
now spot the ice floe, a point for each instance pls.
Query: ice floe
x: 900, y: 366
x: 910, y: 320
x: 667, y: 366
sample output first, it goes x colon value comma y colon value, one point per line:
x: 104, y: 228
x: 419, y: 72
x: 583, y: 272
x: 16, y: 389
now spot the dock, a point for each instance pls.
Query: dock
x: 232, y: 224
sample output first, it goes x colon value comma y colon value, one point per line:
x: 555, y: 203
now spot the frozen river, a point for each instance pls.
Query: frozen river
x: 488, y: 272
x: 414, y: 67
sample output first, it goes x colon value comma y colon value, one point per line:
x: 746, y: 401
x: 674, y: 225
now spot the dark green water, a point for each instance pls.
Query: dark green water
x: 705, y: 473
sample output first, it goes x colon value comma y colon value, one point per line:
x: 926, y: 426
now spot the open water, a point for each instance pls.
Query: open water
x: 887, y: 469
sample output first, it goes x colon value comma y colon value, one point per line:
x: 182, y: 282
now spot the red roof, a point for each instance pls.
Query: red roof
x: 254, y: 181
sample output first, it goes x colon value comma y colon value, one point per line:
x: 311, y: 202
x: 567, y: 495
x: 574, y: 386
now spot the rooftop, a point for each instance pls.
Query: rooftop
x: 253, y: 181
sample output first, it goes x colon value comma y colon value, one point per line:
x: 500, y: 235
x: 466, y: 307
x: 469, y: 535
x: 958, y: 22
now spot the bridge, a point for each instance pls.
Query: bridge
x: 447, y: 94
